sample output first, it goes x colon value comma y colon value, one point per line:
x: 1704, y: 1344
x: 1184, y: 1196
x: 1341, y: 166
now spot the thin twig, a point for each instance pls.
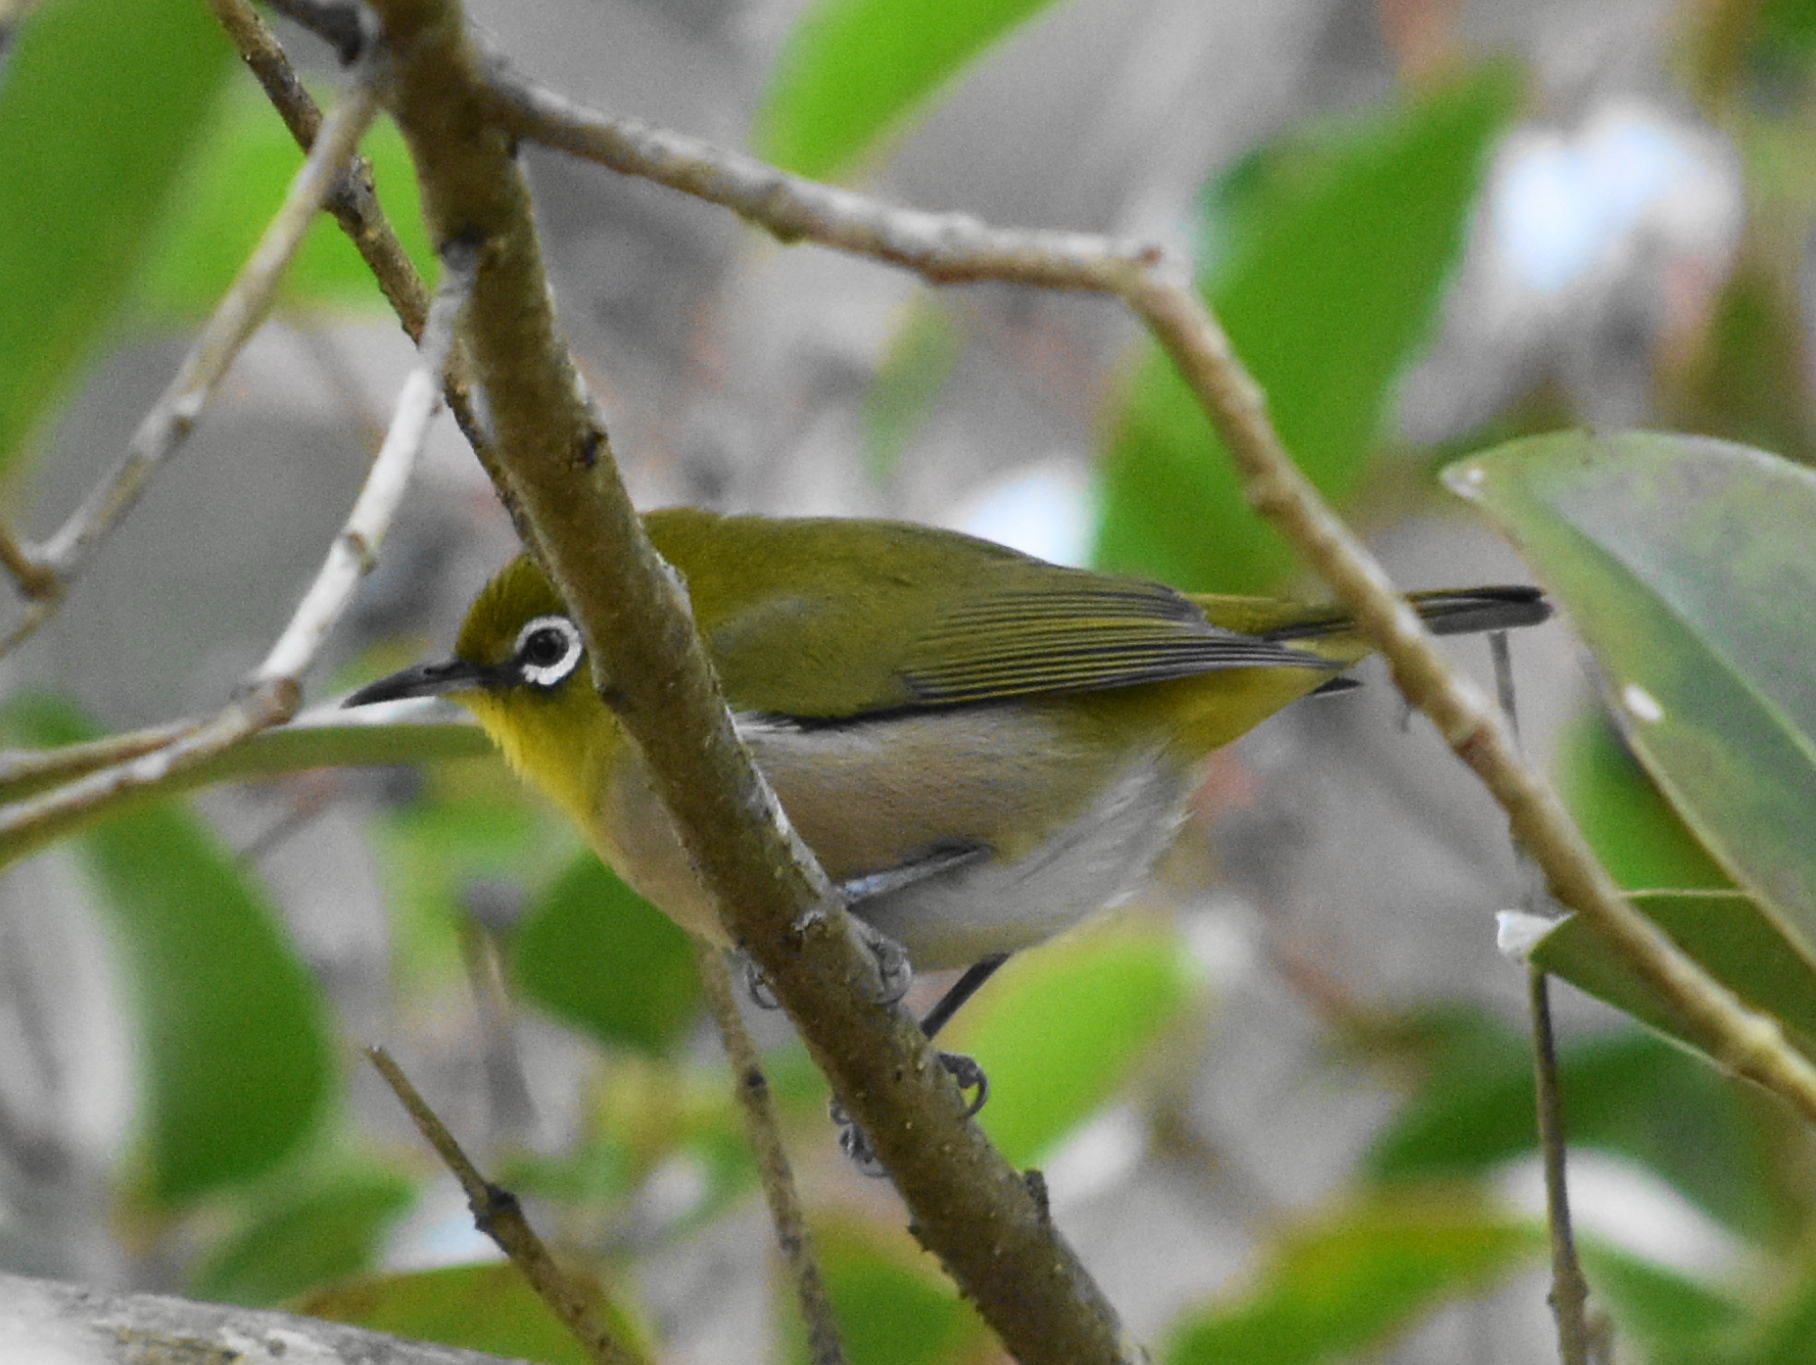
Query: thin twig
x: 751, y: 1087
x: 35, y: 580
x: 353, y: 553
x: 954, y: 247
x: 1569, y: 1290
x: 227, y: 330
x: 274, y: 689
x: 353, y: 203
x: 498, y: 1215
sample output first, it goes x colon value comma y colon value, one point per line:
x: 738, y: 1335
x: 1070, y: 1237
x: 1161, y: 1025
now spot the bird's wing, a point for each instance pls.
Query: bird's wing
x: 1076, y: 633
x: 830, y: 619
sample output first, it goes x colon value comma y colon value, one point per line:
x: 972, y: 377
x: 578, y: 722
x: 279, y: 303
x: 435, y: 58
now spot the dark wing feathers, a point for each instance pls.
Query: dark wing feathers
x: 1093, y: 632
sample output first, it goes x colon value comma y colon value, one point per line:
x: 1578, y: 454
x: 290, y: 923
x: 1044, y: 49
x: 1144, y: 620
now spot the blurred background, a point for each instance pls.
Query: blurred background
x: 1292, y: 1073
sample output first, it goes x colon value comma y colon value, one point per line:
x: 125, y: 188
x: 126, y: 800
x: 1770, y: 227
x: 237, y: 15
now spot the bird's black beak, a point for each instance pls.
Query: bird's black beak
x: 426, y: 680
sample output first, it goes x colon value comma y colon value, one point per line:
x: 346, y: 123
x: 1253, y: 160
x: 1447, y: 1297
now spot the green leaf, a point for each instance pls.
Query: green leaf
x: 1688, y: 566
x: 238, y: 1053
x: 1357, y: 1279
x: 1676, y: 1320
x: 1335, y: 259
x: 230, y: 192
x: 1726, y: 932
x: 597, y: 955
x: 853, y: 70
x: 1062, y: 1026
x: 487, y: 1307
x: 1627, y: 1093
x: 101, y: 101
x: 1643, y: 843
x: 891, y: 1308
x: 329, y: 1232
x: 466, y: 830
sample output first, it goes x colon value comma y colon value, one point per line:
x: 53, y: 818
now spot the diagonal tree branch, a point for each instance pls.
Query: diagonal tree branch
x: 969, y: 1205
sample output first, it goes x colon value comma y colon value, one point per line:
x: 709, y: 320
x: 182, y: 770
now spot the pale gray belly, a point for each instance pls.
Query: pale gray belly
x: 875, y: 796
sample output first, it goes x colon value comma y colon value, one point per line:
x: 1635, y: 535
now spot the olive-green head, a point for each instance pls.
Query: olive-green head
x: 520, y: 667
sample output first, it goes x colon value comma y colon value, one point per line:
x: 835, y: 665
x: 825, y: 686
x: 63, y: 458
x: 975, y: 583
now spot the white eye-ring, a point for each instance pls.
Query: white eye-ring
x: 548, y: 649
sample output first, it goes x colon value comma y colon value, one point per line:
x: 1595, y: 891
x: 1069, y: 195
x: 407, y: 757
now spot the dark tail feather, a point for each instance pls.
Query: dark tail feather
x: 1447, y: 611
x: 1477, y: 609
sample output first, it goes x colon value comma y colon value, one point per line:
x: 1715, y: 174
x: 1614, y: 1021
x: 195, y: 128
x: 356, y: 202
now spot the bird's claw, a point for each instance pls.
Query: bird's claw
x: 855, y: 1142
x: 757, y: 987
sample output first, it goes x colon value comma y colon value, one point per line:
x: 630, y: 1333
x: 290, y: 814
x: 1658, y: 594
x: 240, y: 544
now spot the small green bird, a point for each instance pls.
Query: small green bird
x: 982, y: 748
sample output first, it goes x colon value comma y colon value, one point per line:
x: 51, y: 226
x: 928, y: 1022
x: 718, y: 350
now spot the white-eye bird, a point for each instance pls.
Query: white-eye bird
x: 981, y: 748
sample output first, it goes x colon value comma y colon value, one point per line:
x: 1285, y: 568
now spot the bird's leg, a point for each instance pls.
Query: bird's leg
x: 892, y: 962
x: 965, y: 1070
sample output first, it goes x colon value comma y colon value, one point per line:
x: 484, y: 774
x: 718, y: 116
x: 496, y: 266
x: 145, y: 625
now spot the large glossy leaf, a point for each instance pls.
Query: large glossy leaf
x: 852, y: 70
x: 1063, y: 1025
x: 236, y: 1047
x: 1359, y: 1278
x: 597, y: 955
x: 331, y: 1230
x: 479, y: 1307
x: 1328, y: 264
x: 1689, y: 567
x: 101, y: 101
x: 236, y: 183
x: 1635, y: 833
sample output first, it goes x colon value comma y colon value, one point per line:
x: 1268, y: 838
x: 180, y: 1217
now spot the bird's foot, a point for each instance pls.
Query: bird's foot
x: 893, y: 969
x: 855, y: 1142
x: 756, y: 985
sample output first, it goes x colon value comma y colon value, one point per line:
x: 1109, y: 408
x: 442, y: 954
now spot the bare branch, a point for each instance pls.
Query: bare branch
x: 227, y: 330
x: 497, y: 1214
x: 35, y: 580
x: 751, y: 1087
x: 353, y: 203
x: 354, y: 551
x: 968, y: 1204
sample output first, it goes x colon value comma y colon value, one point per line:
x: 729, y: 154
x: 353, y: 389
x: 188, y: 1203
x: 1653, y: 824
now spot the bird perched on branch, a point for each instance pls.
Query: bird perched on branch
x: 980, y: 747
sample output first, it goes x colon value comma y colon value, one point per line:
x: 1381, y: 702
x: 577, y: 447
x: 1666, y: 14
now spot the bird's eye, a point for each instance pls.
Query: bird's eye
x: 548, y: 650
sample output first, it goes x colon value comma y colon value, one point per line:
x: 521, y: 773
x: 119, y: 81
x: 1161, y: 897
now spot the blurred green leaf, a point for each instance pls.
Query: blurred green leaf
x: 1688, y: 566
x: 1674, y: 1319
x: 101, y: 102
x: 1779, y: 1336
x: 466, y: 832
x: 1061, y: 1027
x: 230, y: 192
x: 1628, y: 1093
x: 238, y: 1054
x: 853, y: 70
x: 891, y: 1308
x: 597, y: 955
x: 1333, y: 261
x: 487, y: 1307
x: 1359, y: 1278
x: 1643, y: 843
x: 1726, y: 932
x: 331, y: 1231
x: 921, y: 357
